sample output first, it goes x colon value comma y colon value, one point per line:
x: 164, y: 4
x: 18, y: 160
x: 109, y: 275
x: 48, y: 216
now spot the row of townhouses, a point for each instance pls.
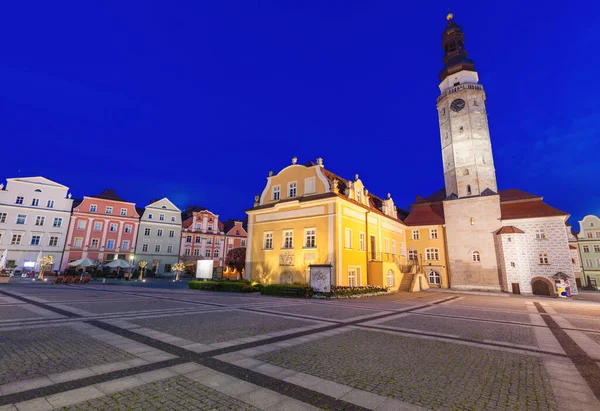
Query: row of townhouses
x: 39, y: 217
x: 467, y: 236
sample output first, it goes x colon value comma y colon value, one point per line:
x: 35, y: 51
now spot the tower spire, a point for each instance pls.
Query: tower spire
x: 455, y: 55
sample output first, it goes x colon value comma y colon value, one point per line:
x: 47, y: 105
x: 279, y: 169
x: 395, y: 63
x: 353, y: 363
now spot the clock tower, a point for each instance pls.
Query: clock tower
x: 465, y: 137
x: 472, y: 206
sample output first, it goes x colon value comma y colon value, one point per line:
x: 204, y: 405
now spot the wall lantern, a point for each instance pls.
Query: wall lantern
x: 472, y: 221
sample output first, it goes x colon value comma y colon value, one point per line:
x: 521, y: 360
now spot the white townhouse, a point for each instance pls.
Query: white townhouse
x: 34, y: 219
x: 159, y: 236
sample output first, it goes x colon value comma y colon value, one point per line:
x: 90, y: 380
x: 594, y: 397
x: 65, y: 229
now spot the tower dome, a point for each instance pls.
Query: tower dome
x: 455, y: 55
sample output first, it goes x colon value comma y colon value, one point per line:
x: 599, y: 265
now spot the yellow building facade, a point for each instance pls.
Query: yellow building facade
x: 309, y: 215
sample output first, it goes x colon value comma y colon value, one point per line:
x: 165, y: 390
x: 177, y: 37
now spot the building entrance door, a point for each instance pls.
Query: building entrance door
x: 540, y: 287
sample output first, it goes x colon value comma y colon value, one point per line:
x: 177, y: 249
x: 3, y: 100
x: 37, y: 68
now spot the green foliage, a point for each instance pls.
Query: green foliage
x: 292, y: 290
x: 346, y: 291
x: 224, y: 286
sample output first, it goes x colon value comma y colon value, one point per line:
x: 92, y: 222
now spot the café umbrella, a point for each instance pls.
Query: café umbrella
x: 118, y: 264
x: 84, y: 262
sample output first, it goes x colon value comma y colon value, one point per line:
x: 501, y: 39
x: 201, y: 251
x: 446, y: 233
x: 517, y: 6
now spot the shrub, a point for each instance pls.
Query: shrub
x: 346, y: 291
x: 224, y: 286
x: 285, y: 290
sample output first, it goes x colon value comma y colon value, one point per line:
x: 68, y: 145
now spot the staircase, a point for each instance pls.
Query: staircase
x: 406, y: 282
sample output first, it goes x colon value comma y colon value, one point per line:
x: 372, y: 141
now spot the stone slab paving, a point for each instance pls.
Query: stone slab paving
x: 116, y: 307
x: 432, y: 374
x: 483, y: 314
x: 324, y: 311
x: 207, y: 328
x: 177, y: 393
x: 38, y: 352
x: 476, y: 330
x: 17, y: 312
x: 585, y: 323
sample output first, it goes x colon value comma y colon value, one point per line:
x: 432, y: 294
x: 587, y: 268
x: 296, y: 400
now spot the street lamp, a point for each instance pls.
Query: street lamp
x: 131, y: 261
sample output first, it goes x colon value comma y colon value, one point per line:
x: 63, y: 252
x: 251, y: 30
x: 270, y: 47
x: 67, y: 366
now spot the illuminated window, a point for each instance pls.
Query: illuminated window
x: 288, y: 239
x: 476, y: 257
x: 268, y: 243
x: 310, y: 238
x: 432, y: 254
x: 292, y: 189
x: 543, y: 258
x: 415, y: 234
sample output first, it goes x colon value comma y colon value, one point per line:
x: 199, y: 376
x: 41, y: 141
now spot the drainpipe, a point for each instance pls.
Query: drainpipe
x: 367, y: 242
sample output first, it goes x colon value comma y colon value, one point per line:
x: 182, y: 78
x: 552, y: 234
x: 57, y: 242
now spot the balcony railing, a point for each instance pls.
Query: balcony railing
x: 469, y: 86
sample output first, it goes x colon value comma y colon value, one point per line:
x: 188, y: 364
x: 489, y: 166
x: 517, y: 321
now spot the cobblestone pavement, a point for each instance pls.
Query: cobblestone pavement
x: 483, y: 314
x: 38, y: 352
x: 432, y: 374
x: 476, y: 330
x: 176, y: 393
x: 237, y: 356
x: 209, y: 328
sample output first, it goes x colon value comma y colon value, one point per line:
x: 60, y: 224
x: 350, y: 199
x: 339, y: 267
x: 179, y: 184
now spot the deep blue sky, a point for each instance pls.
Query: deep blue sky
x: 198, y: 100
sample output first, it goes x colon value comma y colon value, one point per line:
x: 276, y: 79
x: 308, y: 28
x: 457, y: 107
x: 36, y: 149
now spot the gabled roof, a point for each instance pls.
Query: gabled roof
x: 37, y: 180
x: 509, y: 229
x: 426, y: 214
x: 109, y: 195
x: 163, y: 202
x: 514, y: 204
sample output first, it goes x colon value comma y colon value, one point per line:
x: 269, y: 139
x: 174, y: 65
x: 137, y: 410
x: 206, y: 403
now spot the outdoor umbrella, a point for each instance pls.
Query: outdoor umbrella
x: 85, y: 262
x: 118, y: 264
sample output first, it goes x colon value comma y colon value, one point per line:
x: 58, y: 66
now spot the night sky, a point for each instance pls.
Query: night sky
x: 198, y: 100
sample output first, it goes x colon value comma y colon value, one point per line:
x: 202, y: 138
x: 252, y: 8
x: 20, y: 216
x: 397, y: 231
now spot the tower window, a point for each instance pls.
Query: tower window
x: 465, y: 172
x: 475, y: 103
x: 457, y: 84
x: 461, y: 129
x: 476, y: 256
x: 468, y: 190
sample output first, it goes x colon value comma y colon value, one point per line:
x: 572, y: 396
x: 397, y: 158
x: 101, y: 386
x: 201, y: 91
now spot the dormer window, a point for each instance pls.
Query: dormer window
x: 359, y: 198
x: 292, y: 189
x: 109, y: 210
x: 276, y: 192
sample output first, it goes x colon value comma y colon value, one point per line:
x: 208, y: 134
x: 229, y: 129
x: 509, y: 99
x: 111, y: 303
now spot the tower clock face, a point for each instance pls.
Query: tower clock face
x: 457, y: 105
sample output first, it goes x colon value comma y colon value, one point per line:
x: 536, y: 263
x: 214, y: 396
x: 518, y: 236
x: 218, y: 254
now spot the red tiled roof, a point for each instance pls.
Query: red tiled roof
x: 188, y: 222
x: 572, y: 247
x: 425, y: 214
x: 514, y: 194
x: 529, y: 209
x: 509, y: 229
x: 437, y: 196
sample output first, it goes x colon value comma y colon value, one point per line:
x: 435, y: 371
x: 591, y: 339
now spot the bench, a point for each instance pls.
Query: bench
x: 293, y: 292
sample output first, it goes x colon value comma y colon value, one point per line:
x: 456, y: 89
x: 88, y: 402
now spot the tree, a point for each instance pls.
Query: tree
x: 236, y: 260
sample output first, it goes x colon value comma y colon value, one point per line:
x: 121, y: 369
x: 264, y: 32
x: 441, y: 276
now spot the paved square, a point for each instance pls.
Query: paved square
x: 432, y: 374
x: 146, y: 349
x: 209, y: 328
x: 38, y: 352
x: 474, y: 330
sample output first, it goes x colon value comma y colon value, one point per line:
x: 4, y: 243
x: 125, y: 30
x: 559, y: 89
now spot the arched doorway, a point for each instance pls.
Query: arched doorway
x: 542, y: 286
x: 286, y: 278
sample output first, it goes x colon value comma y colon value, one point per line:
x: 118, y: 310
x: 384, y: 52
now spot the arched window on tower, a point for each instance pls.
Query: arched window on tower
x: 476, y: 256
x: 466, y: 172
x: 469, y: 190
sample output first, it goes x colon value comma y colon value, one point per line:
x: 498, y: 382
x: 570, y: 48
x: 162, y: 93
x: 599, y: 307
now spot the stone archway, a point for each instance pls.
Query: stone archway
x: 542, y: 286
x: 286, y: 277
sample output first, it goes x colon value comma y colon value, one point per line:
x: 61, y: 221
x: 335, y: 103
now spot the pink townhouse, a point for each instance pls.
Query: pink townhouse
x: 102, y: 227
x: 235, y: 234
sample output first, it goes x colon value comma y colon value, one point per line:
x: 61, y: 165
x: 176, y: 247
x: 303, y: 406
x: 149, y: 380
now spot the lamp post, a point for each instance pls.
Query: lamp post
x: 142, y: 264
x: 178, y: 268
x: 131, y: 262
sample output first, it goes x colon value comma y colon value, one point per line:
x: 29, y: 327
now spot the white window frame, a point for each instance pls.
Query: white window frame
x: 145, y: 248
x: 206, y: 252
x: 128, y: 228
x: 171, y: 233
x: 348, y: 238
x: 540, y: 233
x: 3, y: 217
x: 243, y: 243
x: 109, y: 243
x: 268, y: 240
x: 476, y: 256
x: 361, y: 241
x: 125, y: 245
x: 78, y: 242
x: 354, y: 280
x: 113, y: 228
x: 391, y: 278
x: 197, y: 252
x: 53, y: 241
x: 108, y: 210
x: 435, y: 276
x: 58, y: 220
x: 292, y: 185
x: 394, y: 249
x: 415, y: 235
x: 124, y: 211
x: 310, y: 237
x: 35, y: 202
x: 95, y: 243
x: 81, y: 224
x: 22, y: 217
x: 19, y: 200
x: 309, y: 183
x: 386, y: 245
x: 50, y: 204
x: 596, y: 248
x: 432, y: 254
x: 97, y: 226
x: 276, y: 192
x: 93, y: 208
x: 413, y: 255
x: 161, y: 217
x: 169, y: 249
x: 433, y: 234
x: 159, y: 232
x: 36, y: 239
x: 543, y: 259
x: 40, y: 220
x: 147, y: 231
x: 16, y: 239
x: 586, y: 248
x: 157, y: 248
x: 287, y: 239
